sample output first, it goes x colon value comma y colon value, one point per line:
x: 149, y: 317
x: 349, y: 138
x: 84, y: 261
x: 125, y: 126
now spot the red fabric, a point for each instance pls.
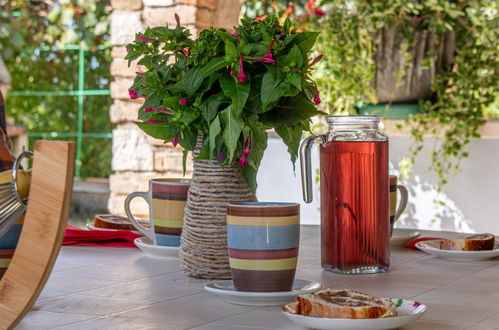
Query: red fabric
x: 412, y: 244
x: 108, y: 238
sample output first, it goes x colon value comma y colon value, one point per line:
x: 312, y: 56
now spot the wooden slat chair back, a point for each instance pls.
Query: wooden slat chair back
x: 44, y: 225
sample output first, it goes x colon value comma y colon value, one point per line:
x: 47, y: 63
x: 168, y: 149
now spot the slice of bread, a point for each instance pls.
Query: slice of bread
x: 479, y: 242
x: 111, y: 221
x: 344, y: 304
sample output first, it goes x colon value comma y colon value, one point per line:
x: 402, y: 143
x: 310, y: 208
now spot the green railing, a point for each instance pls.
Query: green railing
x: 80, y: 93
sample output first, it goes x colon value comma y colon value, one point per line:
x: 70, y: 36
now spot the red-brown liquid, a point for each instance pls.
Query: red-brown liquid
x: 355, y: 207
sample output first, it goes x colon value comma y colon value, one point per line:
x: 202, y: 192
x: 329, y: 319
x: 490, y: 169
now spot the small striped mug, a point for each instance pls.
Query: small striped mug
x: 263, y: 240
x: 167, y: 199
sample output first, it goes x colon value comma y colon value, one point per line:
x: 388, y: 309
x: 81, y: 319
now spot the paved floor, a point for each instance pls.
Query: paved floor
x: 111, y: 288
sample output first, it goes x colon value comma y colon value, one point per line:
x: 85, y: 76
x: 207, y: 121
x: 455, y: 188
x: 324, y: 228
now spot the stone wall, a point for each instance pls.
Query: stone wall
x: 137, y: 157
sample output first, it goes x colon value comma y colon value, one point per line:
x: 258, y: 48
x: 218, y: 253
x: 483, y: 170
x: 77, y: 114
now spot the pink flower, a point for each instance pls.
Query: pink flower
x: 261, y: 18
x: 263, y: 60
x: 220, y: 156
x: 140, y: 74
x: 317, y: 59
x: 133, y: 94
x: 143, y: 38
x: 231, y: 72
x: 269, y: 52
x: 247, y: 150
x: 150, y: 109
x: 175, y: 139
x: 154, y: 121
x: 143, y: 96
x: 129, y: 50
x: 319, y: 12
x: 241, y: 76
x: 295, y: 70
x: 164, y: 111
x: 234, y: 34
x: 182, y: 101
x: 416, y: 304
x: 317, y: 99
x: 243, y: 161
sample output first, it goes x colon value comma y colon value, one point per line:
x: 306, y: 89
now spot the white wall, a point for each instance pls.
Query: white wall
x: 471, y: 198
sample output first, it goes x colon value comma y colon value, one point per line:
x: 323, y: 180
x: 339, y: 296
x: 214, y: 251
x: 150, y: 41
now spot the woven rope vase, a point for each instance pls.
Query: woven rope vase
x: 203, y: 248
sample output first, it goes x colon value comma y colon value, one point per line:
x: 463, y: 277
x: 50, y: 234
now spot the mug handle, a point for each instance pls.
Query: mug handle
x: 148, y: 232
x: 404, y: 194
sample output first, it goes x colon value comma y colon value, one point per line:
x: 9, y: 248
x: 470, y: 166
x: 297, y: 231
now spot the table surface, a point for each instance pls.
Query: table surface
x: 112, y: 288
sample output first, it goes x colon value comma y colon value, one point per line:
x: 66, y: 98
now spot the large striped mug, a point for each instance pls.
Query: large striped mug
x: 263, y: 241
x: 166, y: 199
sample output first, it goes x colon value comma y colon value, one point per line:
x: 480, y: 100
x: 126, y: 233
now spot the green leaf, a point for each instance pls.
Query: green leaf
x: 189, y: 114
x: 209, y: 108
x: 291, y: 136
x: 215, y: 129
x: 249, y: 174
x: 237, y: 91
x: 213, y: 65
x: 185, y: 152
x: 233, y: 124
x: 188, y: 138
x: 259, y: 138
x: 272, y: 89
x: 191, y: 81
x: 230, y: 50
x: 294, y: 57
x: 290, y: 111
x: 195, y: 76
x: 163, y: 131
x: 304, y: 40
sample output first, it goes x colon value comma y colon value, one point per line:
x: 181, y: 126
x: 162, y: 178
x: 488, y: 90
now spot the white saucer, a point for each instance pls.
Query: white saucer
x: 433, y: 247
x: 157, y: 251
x: 226, y: 289
x: 408, y: 311
x: 401, y: 237
x: 92, y: 227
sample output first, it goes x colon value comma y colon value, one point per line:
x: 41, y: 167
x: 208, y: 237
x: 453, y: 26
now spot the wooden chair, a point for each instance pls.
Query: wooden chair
x: 43, y: 230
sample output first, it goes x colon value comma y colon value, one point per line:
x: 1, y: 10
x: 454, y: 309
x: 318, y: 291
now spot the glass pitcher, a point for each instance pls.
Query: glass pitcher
x: 354, y: 184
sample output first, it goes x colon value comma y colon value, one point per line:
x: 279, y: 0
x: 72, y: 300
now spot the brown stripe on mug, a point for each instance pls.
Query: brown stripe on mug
x: 167, y: 230
x: 251, y: 280
x: 263, y: 254
x: 169, y: 196
x: 263, y: 211
x: 6, y: 253
x: 177, y: 187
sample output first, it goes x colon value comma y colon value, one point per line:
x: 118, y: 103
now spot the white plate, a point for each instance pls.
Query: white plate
x: 408, y: 311
x: 226, y: 289
x: 401, y: 237
x: 433, y: 247
x: 92, y: 227
x: 158, y: 251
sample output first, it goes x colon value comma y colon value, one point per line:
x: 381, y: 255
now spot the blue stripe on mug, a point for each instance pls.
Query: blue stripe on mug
x: 11, y: 237
x: 167, y: 240
x: 263, y: 237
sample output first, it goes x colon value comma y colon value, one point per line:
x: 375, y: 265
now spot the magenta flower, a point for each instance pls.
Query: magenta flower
x: 143, y: 38
x: 177, y: 19
x: 175, y: 139
x: 317, y: 99
x: 246, y: 151
x: 182, y: 101
x: 241, y: 76
x: 243, y: 161
x: 319, y: 12
x: 220, y: 156
x: 129, y: 50
x: 164, y: 111
x: 154, y: 121
x: 140, y: 74
x: 295, y: 70
x: 416, y: 304
x: 234, y: 34
x: 317, y: 59
x: 231, y: 72
x: 150, y: 109
x: 133, y: 94
x: 263, y: 60
x: 269, y: 52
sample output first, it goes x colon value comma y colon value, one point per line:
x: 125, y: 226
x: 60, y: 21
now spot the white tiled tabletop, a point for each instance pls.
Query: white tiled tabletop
x: 113, y: 288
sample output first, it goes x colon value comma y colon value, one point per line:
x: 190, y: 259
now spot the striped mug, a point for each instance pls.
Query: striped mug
x: 167, y: 199
x: 396, y: 211
x: 263, y: 241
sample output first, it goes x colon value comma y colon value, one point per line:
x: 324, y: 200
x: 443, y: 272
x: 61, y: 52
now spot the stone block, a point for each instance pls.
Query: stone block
x: 126, y: 4
x: 119, y: 68
x: 168, y: 159
x: 119, y: 88
x: 158, y: 3
x: 206, y: 17
x: 118, y: 52
x: 131, y: 150
x: 124, y: 25
x: 123, y: 111
x: 138, y: 206
x: 155, y: 16
x: 228, y: 14
x: 212, y: 4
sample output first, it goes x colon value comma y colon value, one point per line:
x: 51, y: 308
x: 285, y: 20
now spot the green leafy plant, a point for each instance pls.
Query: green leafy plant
x: 231, y: 87
x: 463, y: 94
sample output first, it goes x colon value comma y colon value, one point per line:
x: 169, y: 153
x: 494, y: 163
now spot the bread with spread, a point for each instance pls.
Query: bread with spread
x: 479, y: 242
x: 345, y: 304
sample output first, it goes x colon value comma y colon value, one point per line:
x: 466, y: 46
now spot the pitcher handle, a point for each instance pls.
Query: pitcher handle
x: 306, y: 165
x: 148, y: 232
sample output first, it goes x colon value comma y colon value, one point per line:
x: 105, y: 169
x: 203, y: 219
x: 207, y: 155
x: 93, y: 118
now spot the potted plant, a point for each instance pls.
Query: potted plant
x: 440, y: 57
x: 217, y: 96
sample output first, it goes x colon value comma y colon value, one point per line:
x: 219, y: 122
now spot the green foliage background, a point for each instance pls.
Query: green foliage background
x: 28, y: 26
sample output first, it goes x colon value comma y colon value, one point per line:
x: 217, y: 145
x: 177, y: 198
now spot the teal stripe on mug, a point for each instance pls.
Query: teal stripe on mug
x: 263, y: 237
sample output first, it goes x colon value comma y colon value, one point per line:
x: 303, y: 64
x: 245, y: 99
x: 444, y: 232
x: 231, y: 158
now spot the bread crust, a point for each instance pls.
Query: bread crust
x: 110, y: 221
x: 479, y: 242
x: 311, y: 305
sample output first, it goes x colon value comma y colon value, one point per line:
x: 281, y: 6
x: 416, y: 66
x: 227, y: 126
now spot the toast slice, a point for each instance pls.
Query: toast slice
x: 111, y: 221
x: 344, y: 304
x: 479, y: 242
